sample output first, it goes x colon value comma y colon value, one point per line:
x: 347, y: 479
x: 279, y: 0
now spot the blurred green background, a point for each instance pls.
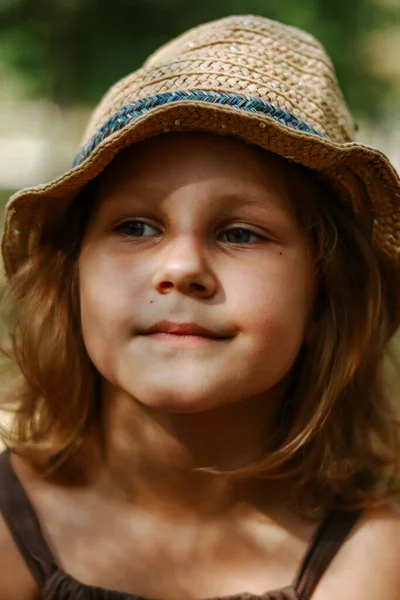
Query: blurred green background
x: 58, y: 57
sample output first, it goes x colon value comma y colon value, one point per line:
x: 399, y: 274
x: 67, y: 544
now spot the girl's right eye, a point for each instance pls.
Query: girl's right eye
x: 135, y: 229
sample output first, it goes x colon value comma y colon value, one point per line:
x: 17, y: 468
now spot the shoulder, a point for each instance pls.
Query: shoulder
x: 368, y: 564
x: 16, y: 581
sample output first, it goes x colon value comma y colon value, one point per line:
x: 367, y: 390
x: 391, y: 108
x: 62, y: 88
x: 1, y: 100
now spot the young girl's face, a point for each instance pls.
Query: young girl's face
x: 195, y: 228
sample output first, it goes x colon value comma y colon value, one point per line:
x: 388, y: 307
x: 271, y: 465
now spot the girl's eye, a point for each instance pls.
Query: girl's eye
x: 136, y: 229
x: 237, y: 235
x: 240, y: 235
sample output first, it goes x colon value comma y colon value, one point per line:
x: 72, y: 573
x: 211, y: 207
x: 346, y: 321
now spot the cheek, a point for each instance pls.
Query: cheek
x: 273, y: 303
x: 107, y: 300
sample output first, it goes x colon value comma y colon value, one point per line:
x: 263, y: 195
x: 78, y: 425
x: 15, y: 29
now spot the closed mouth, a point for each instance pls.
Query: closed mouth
x: 183, y: 329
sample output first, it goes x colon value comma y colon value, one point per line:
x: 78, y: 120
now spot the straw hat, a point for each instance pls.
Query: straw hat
x: 246, y: 76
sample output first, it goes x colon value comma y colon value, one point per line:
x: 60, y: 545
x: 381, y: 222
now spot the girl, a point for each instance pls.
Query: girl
x: 198, y: 312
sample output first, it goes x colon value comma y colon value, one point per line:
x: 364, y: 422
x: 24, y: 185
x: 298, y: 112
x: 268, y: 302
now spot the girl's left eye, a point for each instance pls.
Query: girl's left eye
x: 235, y: 235
x: 240, y: 235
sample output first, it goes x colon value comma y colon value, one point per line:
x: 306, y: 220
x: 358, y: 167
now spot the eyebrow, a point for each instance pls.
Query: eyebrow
x: 264, y: 202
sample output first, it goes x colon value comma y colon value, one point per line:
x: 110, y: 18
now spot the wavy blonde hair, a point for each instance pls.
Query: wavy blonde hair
x: 337, y: 435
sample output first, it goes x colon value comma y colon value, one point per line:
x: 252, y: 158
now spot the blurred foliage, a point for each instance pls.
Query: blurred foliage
x: 4, y: 197
x: 73, y: 50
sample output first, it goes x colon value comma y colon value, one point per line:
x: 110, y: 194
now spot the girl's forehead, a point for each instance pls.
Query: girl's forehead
x: 210, y: 162
x: 194, y: 148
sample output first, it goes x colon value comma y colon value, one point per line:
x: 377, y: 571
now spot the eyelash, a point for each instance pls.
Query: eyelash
x: 121, y: 226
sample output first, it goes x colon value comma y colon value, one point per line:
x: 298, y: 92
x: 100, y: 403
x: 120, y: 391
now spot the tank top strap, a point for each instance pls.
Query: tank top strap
x: 23, y: 523
x: 326, y: 543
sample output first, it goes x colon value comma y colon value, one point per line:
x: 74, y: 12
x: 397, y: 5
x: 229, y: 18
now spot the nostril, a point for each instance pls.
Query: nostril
x: 166, y: 285
x: 198, y: 287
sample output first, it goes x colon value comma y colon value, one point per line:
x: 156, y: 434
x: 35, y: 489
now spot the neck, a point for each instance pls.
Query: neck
x: 184, y: 459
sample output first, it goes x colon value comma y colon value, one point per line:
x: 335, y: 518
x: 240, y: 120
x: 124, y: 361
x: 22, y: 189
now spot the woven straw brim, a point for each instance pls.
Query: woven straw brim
x: 359, y: 174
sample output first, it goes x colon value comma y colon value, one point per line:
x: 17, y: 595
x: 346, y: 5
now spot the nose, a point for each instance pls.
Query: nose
x: 183, y: 268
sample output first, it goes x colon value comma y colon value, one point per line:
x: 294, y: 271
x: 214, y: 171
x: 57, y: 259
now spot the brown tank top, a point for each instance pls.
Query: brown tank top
x: 54, y: 583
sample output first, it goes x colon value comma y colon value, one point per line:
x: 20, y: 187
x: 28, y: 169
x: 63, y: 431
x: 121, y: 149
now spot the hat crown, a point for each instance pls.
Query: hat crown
x: 246, y: 55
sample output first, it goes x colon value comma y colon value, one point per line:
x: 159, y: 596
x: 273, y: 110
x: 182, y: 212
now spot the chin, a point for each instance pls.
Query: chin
x: 180, y: 403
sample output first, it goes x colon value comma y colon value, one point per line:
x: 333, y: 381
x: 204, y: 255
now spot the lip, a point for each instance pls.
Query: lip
x: 182, y: 329
x: 184, y: 341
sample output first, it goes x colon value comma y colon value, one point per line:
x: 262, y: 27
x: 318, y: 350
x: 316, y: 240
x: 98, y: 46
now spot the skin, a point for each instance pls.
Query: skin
x: 258, y: 293
x: 170, y: 411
